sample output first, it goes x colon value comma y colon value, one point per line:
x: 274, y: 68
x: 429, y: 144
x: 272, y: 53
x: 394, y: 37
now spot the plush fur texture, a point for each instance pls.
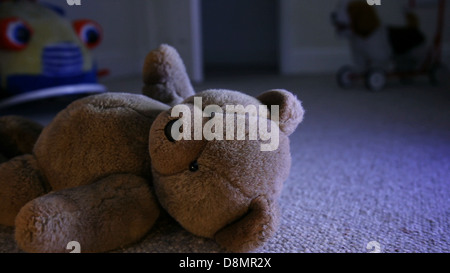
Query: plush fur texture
x: 374, y: 45
x: 17, y: 136
x: 239, y: 183
x: 160, y: 68
x: 103, y: 169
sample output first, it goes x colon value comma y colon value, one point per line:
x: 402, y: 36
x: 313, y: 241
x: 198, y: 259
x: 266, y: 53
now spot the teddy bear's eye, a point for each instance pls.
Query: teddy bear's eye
x: 193, y: 167
x: 168, y: 130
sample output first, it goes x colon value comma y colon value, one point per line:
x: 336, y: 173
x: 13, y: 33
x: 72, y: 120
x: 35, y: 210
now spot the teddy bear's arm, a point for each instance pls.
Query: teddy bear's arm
x: 251, y: 231
x: 17, y: 136
x: 20, y: 182
x: 165, y: 77
x: 108, y: 214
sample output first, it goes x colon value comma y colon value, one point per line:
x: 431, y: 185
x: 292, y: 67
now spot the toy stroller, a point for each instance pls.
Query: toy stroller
x: 375, y: 78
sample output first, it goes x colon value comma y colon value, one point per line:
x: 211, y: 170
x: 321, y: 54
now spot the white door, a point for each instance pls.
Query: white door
x: 178, y: 23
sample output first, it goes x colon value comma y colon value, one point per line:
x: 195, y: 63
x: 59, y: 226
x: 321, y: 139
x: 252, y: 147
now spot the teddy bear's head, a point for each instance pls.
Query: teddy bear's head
x: 219, y: 161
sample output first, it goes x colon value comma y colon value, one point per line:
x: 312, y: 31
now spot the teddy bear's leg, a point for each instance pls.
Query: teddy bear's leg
x: 20, y: 182
x: 17, y: 136
x: 165, y: 77
x: 108, y: 214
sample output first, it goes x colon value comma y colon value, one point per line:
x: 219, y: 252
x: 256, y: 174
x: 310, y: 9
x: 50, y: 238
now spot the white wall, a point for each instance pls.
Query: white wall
x: 134, y: 27
x: 178, y: 23
x: 309, y: 44
x: 308, y: 41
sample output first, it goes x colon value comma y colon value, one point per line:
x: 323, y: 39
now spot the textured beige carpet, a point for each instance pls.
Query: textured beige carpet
x: 366, y: 167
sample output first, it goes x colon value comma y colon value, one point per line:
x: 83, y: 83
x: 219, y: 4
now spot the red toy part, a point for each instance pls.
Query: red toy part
x: 89, y: 32
x: 15, y: 34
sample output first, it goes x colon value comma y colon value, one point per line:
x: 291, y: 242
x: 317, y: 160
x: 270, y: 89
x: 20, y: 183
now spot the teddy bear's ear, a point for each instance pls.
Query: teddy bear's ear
x: 291, y: 110
x: 253, y: 229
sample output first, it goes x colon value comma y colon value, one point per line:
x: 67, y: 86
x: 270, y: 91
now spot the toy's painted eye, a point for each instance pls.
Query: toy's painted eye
x: 15, y: 34
x: 168, y: 130
x: 89, y: 32
x: 193, y: 167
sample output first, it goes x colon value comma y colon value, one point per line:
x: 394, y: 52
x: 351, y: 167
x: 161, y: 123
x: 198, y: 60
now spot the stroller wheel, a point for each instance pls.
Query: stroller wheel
x: 346, y: 77
x: 439, y: 75
x: 375, y: 79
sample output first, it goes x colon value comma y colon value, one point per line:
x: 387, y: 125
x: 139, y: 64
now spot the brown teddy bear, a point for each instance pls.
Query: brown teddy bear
x: 17, y: 136
x: 103, y: 169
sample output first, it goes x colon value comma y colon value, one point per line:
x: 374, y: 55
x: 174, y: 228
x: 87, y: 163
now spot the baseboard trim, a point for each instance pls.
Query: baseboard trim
x: 315, y: 60
x: 326, y: 60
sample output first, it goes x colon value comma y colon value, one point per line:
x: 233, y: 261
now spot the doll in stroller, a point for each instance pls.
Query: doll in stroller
x: 380, y: 51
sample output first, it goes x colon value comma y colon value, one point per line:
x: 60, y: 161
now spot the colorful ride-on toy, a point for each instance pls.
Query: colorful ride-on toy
x: 44, y: 55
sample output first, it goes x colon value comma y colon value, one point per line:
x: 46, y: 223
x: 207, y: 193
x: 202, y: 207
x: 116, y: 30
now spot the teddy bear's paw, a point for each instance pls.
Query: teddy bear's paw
x: 46, y: 226
x: 20, y: 182
x: 253, y: 229
x: 165, y: 77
